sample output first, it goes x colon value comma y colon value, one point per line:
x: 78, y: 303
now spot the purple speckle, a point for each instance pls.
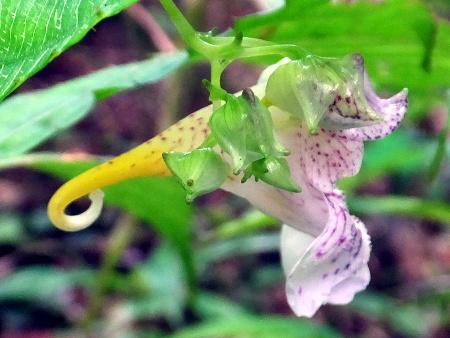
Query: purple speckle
x: 299, y: 291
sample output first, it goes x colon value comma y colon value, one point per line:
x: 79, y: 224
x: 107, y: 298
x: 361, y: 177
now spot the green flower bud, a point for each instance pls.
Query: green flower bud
x: 262, y: 130
x: 323, y: 92
x: 274, y: 171
x: 199, y: 172
x: 228, y: 125
x: 244, y: 129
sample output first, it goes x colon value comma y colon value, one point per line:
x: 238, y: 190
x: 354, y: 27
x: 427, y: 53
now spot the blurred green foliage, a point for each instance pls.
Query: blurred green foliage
x: 28, y: 119
x: 404, y: 43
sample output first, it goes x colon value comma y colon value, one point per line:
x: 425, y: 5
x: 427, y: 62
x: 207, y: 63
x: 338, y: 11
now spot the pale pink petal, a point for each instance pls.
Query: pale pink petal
x: 344, y: 292
x: 392, y: 110
x: 306, y: 211
x: 322, y: 158
x: 334, y: 266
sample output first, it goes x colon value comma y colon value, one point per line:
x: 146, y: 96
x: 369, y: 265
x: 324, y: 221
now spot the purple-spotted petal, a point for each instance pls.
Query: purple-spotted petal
x: 334, y: 265
x: 392, y: 110
x: 322, y: 158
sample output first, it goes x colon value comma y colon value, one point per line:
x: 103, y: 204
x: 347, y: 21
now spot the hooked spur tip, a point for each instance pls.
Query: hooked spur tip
x: 78, y: 222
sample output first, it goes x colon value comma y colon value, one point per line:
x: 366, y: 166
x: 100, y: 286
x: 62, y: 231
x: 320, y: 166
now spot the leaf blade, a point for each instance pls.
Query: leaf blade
x: 26, y: 120
x: 32, y: 33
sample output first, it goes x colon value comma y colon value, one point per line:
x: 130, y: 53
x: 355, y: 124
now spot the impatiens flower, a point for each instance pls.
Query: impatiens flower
x: 321, y: 110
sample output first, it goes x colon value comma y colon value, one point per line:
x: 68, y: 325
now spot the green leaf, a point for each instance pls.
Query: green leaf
x: 250, y: 222
x: 34, y: 32
x: 42, y: 283
x: 240, y: 245
x: 29, y: 119
x: 401, y: 205
x: 252, y: 326
x: 440, y: 154
x: 161, y: 285
x: 404, y: 317
x: 210, y: 306
x: 12, y: 229
x: 402, y: 44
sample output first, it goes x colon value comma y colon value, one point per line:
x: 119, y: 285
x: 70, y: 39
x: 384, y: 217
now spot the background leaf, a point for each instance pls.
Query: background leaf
x: 34, y: 32
x: 406, y: 317
x: 401, y: 205
x: 401, y: 42
x: 161, y: 284
x: 42, y: 283
x: 28, y: 119
x: 252, y: 326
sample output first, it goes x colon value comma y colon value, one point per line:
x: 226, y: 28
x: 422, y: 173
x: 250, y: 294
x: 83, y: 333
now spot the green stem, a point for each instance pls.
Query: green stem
x: 187, y: 32
x: 120, y: 238
x: 216, y: 73
x: 290, y: 51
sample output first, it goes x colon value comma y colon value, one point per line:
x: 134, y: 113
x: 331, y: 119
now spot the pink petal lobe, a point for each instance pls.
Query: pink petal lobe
x: 392, y: 110
x: 334, y: 266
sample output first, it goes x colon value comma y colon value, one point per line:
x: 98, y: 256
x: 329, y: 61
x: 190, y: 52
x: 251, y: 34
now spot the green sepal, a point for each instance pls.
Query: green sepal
x: 228, y: 125
x: 354, y: 110
x: 307, y: 89
x: 299, y: 88
x: 274, y: 171
x: 216, y: 93
x: 262, y: 128
x: 244, y: 129
x: 199, y: 172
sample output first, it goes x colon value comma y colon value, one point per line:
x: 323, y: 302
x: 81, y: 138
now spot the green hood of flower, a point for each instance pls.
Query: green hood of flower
x: 323, y: 92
